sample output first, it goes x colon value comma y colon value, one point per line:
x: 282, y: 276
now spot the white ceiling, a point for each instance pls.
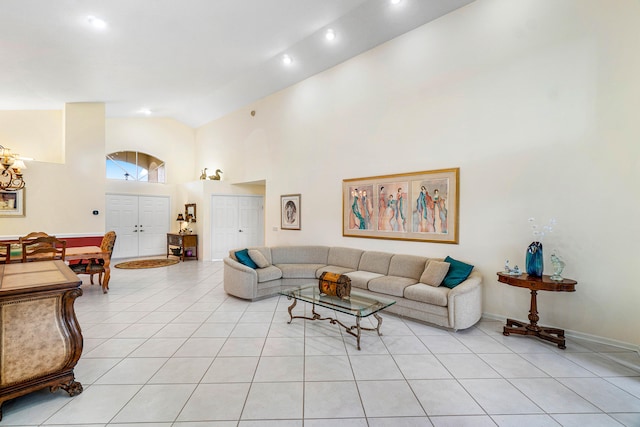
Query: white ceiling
x: 192, y: 60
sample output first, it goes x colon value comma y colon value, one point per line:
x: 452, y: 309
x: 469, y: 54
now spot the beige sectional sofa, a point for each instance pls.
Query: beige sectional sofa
x: 375, y: 273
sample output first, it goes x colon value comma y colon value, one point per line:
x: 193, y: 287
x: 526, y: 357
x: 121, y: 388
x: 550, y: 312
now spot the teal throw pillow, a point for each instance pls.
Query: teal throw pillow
x: 458, y: 273
x: 244, y: 258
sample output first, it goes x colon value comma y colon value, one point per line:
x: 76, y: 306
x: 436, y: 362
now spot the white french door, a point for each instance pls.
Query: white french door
x: 141, y: 224
x: 236, y: 222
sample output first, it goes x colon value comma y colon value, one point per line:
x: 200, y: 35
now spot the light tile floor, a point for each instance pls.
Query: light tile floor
x: 167, y: 347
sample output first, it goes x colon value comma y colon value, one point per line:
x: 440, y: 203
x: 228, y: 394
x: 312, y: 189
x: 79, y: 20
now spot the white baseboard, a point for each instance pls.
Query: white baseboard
x: 579, y: 335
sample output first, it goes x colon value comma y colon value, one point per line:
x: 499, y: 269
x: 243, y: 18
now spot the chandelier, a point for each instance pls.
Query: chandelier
x: 10, y: 170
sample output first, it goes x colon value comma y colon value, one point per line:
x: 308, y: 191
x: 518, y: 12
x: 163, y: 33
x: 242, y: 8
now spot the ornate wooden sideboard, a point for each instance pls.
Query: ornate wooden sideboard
x: 40, y: 338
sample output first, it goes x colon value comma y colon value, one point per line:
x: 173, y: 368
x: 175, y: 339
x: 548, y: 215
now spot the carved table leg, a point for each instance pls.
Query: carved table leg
x: 74, y: 388
x: 533, y: 312
x: 107, y: 274
x: 545, y: 333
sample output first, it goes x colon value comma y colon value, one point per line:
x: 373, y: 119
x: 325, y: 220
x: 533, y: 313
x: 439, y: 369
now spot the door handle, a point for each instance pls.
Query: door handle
x: 240, y: 231
x: 135, y: 231
x: 142, y: 231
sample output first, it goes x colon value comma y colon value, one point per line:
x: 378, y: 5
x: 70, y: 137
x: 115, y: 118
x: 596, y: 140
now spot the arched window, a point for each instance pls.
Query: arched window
x: 135, y: 166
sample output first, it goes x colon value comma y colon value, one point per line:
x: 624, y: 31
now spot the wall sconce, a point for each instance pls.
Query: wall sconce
x: 10, y: 170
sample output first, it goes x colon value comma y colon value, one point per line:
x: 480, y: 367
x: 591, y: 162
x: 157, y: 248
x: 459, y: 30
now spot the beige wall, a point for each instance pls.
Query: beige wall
x: 535, y: 101
x: 66, y: 181
x: 35, y: 134
x: 168, y: 140
x: 60, y: 196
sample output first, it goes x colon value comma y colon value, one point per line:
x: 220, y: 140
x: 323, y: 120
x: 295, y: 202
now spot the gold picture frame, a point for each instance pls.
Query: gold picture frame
x: 416, y: 206
x: 12, y: 203
x: 190, y: 212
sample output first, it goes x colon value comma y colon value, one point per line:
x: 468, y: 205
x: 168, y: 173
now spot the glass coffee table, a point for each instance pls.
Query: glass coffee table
x: 357, y: 305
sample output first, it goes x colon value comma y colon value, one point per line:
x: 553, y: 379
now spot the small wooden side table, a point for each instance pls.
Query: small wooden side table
x: 183, y: 241
x: 536, y: 284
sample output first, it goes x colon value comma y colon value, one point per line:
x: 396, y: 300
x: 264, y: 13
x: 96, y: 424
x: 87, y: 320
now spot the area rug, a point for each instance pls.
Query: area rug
x: 147, y: 263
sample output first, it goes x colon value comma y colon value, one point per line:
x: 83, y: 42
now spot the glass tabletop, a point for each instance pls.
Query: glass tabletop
x: 357, y: 304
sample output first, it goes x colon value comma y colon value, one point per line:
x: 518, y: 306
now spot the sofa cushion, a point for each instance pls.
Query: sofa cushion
x: 427, y: 294
x: 264, y: 250
x: 243, y: 258
x: 299, y: 271
x: 407, y: 266
x: 257, y: 257
x: 268, y: 273
x: 299, y: 254
x: 434, y: 274
x: 391, y: 285
x: 458, y: 273
x: 344, y: 257
x: 332, y: 269
x: 360, y: 279
x: 375, y: 262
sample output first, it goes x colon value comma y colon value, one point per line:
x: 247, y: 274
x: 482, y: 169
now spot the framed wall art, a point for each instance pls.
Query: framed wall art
x: 190, y: 212
x: 12, y: 203
x: 419, y: 206
x: 290, y: 212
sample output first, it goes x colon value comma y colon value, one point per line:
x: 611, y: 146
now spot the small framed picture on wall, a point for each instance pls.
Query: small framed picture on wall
x: 290, y: 211
x: 12, y: 203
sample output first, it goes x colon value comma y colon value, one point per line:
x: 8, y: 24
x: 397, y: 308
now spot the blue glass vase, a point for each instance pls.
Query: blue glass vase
x: 534, y: 261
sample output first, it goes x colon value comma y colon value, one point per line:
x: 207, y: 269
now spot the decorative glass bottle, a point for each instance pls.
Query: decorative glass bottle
x: 558, y: 266
x: 534, y: 261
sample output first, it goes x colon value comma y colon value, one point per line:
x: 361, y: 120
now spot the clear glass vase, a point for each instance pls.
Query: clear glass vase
x: 534, y: 260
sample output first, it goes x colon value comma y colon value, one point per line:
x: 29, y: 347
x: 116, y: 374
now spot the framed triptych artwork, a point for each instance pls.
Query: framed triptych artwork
x: 419, y: 206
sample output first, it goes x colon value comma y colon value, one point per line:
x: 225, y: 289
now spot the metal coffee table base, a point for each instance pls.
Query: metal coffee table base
x: 348, y: 329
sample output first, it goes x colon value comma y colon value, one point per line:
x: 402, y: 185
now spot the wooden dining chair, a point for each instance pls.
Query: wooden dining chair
x: 43, y: 249
x: 34, y: 235
x: 5, y: 253
x: 96, y: 265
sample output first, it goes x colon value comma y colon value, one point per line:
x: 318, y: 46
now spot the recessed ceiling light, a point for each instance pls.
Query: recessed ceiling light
x: 395, y: 2
x: 145, y: 111
x: 287, y: 60
x: 330, y: 34
x: 97, y: 22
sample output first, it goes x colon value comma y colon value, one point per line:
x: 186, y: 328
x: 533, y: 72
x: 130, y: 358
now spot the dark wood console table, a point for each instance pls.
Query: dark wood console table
x: 40, y: 338
x: 536, y: 284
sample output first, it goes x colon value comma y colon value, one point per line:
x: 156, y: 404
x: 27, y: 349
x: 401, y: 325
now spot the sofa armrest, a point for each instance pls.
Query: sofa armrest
x: 239, y: 280
x: 465, y: 302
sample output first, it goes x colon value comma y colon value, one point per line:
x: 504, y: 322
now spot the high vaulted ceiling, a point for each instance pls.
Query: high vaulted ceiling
x: 192, y: 60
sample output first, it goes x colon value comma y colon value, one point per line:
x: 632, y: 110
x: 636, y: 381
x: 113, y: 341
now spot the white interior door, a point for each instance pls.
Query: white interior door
x: 153, y: 215
x: 140, y: 223
x: 250, y: 221
x: 224, y: 225
x: 236, y: 222
x: 122, y: 217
